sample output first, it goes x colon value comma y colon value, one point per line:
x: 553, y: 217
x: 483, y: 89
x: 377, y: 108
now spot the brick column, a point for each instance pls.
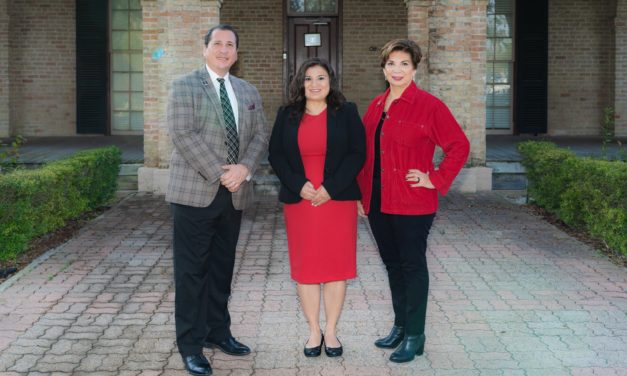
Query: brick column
x: 620, y: 69
x: 457, y: 66
x: 173, y: 33
x: 452, y: 36
x: 418, y: 30
x: 4, y: 69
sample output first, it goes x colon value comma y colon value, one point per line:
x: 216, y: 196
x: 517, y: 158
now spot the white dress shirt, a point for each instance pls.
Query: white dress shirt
x: 229, y: 91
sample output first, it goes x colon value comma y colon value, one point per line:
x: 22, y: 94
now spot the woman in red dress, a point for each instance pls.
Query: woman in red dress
x: 317, y: 149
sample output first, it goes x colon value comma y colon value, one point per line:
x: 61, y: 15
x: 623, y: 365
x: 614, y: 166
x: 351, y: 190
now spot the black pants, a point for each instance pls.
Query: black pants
x: 204, y: 255
x: 402, y: 243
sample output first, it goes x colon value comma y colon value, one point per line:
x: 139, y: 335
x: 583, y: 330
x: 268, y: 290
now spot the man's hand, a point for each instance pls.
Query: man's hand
x: 321, y: 196
x: 308, y: 191
x: 233, y: 176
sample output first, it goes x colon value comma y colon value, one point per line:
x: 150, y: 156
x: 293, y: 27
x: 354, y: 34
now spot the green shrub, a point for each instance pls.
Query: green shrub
x: 10, y: 154
x: 34, y: 202
x: 585, y: 193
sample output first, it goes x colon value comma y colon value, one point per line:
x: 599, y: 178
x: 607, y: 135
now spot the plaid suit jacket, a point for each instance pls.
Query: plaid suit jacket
x: 196, y: 126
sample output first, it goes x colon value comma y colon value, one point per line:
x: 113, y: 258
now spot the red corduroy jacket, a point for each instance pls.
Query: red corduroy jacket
x: 415, y: 123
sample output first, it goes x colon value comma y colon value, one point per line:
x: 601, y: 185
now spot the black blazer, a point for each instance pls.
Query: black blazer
x: 346, y: 153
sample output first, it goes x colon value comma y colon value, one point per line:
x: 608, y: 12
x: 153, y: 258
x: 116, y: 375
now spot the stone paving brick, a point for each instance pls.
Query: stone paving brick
x: 510, y: 295
x: 24, y: 363
x: 111, y: 362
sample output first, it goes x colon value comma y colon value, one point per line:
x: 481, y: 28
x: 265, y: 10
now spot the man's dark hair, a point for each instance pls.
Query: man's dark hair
x: 222, y: 27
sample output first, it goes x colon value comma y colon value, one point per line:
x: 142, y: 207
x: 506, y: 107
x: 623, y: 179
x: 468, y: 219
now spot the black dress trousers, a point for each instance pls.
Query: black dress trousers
x: 402, y: 243
x: 204, y: 255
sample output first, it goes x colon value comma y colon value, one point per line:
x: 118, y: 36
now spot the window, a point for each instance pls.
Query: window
x: 127, y: 78
x: 500, y: 29
x: 301, y: 7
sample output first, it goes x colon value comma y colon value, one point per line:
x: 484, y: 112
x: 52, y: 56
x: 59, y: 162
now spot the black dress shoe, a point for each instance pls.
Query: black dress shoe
x: 229, y: 346
x: 392, y: 340
x: 332, y: 352
x: 312, y: 352
x: 408, y: 349
x: 197, y: 364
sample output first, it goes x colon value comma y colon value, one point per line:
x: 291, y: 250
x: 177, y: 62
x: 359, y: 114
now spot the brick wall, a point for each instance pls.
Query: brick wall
x: 581, y: 69
x: 42, y: 67
x: 620, y: 86
x: 368, y: 25
x: 259, y: 24
x: 4, y: 69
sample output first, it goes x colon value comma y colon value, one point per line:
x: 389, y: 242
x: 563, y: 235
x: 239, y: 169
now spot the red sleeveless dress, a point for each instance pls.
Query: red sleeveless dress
x: 321, y: 240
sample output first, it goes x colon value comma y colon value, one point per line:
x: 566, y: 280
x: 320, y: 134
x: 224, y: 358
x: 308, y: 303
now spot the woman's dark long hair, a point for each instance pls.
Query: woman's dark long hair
x: 297, y: 100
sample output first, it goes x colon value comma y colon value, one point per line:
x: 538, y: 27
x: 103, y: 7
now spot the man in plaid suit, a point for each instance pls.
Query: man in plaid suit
x: 219, y: 133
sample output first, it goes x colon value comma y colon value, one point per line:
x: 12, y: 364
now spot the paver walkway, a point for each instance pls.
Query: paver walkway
x: 510, y: 295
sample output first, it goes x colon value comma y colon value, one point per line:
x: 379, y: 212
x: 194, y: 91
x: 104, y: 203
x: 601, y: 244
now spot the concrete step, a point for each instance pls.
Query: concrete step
x: 507, y: 175
x: 127, y: 178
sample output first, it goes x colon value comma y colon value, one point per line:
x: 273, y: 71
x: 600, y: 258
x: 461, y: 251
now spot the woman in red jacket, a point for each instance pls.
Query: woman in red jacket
x: 400, y: 186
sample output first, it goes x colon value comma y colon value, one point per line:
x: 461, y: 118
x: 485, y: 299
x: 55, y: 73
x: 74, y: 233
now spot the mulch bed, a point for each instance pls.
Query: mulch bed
x: 46, y: 242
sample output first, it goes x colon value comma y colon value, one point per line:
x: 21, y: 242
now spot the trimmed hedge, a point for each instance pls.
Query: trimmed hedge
x: 34, y: 202
x: 585, y: 193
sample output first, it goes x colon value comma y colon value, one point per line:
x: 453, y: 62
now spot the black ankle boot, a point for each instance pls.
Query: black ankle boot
x: 391, y: 340
x: 410, y: 347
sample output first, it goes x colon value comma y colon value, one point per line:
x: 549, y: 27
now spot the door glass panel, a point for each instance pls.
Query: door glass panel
x: 500, y: 58
x: 297, y: 6
x: 137, y: 82
x: 136, y: 40
x: 504, y: 6
x: 120, y: 101
x: 137, y: 62
x: 491, y: 6
x: 119, y: 20
x: 135, y: 19
x: 119, y: 4
x: 502, y: 49
x: 137, y: 101
x: 502, y: 25
x: 120, y: 120
x: 312, y: 6
x: 501, y: 73
x: 502, y: 95
x: 119, y: 40
x: 490, y: 27
x: 127, y: 86
x: 490, y: 49
x: 120, y: 61
x: 120, y: 82
x: 137, y: 121
x: 502, y: 118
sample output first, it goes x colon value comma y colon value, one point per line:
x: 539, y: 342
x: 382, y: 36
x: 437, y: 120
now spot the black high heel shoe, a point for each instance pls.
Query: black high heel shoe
x: 333, y: 352
x: 392, y: 340
x: 312, y: 352
x: 408, y: 349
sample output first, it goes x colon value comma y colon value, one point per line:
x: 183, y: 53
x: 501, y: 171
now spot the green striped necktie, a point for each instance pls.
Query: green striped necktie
x: 232, y: 142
